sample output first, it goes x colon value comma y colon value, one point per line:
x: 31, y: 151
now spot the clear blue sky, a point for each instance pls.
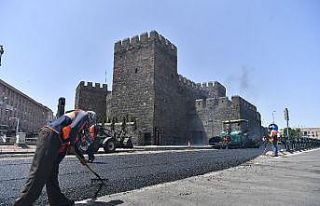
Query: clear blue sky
x: 266, y: 51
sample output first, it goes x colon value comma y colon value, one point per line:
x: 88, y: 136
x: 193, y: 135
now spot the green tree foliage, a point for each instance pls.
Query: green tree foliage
x: 292, y: 132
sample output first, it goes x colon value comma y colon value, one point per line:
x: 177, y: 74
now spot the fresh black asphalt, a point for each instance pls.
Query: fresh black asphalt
x: 125, y: 171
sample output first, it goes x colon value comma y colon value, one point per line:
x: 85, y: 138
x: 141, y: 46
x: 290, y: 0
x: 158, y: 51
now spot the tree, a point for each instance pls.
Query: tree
x: 292, y: 132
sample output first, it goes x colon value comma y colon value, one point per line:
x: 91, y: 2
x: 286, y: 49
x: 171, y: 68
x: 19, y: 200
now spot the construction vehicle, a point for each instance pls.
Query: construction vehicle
x: 110, y: 139
x: 235, y: 134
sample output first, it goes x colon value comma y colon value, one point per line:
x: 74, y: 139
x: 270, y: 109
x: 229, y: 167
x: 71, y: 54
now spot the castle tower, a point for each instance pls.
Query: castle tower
x: 144, y: 83
x: 92, y: 97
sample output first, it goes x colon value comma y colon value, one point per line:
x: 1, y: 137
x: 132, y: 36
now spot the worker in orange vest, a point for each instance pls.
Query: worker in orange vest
x: 71, y: 130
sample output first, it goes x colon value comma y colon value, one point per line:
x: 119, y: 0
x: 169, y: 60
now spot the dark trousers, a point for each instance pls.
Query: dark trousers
x: 275, y: 147
x: 90, y: 152
x: 44, y: 171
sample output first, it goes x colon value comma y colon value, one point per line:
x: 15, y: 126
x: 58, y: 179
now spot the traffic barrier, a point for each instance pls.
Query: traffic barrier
x: 302, y: 143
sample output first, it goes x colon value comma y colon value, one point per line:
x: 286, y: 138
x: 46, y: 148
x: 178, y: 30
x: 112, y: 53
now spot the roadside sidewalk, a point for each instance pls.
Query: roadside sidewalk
x: 14, y: 149
x: 287, y: 180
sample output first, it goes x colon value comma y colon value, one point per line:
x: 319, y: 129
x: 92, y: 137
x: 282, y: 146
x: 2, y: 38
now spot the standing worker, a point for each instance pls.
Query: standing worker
x: 275, y: 142
x: 54, y: 139
x: 265, y: 141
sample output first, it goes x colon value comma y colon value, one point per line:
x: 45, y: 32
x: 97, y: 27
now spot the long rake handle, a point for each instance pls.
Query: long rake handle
x: 89, y: 168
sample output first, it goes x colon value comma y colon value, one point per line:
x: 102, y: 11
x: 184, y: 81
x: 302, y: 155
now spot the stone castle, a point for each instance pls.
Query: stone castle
x: 167, y: 107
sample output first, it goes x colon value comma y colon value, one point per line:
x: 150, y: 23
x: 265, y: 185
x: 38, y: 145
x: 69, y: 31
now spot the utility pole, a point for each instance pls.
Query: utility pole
x: 1, y: 52
x: 105, y: 76
x: 286, y: 117
x: 17, y: 126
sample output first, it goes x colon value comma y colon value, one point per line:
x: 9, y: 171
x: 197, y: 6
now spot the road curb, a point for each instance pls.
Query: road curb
x: 137, y: 148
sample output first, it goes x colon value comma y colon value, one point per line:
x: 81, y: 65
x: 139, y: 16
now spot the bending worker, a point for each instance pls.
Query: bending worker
x: 53, y: 142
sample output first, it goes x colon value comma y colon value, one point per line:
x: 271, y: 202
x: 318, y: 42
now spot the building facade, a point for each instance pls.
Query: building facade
x: 18, y: 108
x: 311, y: 132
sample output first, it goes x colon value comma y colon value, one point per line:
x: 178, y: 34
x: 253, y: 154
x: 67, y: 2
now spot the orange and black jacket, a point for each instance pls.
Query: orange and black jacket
x: 69, y: 126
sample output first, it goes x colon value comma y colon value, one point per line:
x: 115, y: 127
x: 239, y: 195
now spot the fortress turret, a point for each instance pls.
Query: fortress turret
x: 91, y: 96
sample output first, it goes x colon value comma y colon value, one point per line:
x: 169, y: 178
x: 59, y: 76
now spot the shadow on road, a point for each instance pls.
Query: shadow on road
x: 99, y: 203
x: 100, y: 163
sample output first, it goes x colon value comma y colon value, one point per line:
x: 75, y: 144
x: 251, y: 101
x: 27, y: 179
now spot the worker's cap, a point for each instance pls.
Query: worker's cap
x: 92, y: 117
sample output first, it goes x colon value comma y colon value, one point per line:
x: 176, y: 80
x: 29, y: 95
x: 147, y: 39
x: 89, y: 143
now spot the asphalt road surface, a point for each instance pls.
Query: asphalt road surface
x: 125, y: 171
x: 288, y: 180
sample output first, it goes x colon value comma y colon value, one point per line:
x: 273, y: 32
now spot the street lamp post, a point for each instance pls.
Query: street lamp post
x: 273, y: 116
x: 17, y: 126
x: 286, y: 117
x: 17, y: 129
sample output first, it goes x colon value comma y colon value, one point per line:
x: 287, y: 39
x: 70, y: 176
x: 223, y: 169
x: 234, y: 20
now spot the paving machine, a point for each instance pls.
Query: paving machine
x: 235, y: 133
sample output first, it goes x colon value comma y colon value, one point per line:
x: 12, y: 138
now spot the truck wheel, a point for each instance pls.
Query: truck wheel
x: 109, y: 146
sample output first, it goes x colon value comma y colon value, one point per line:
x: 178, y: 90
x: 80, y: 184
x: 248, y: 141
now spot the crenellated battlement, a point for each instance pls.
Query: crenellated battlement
x: 204, y: 85
x: 144, y: 38
x: 187, y: 82
x: 210, y: 84
x: 239, y: 101
x: 211, y: 89
x: 214, y: 89
x: 92, y: 85
x: 216, y: 102
x: 92, y: 96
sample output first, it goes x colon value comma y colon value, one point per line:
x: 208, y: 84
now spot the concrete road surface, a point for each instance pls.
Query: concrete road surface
x: 292, y: 180
x: 126, y: 171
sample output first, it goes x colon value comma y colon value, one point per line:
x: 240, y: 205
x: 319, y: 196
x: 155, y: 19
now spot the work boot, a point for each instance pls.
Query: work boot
x: 65, y: 202
x: 91, y: 160
x: 68, y: 203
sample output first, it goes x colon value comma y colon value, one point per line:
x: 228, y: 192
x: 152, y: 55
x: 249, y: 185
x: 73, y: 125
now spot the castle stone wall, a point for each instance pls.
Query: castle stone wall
x: 92, y: 97
x: 146, y: 86
x: 167, y: 107
x: 213, y: 111
x: 166, y: 110
x: 133, y: 91
x: 248, y: 111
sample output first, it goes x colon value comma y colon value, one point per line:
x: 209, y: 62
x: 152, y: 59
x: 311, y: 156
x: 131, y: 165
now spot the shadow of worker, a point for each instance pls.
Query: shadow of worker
x: 99, y: 203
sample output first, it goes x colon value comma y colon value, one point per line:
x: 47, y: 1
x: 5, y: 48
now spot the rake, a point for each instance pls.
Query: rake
x: 93, y: 180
